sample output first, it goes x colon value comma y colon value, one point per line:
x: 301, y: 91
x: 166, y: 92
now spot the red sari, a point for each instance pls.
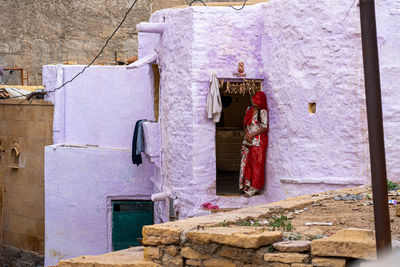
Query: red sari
x: 252, y: 167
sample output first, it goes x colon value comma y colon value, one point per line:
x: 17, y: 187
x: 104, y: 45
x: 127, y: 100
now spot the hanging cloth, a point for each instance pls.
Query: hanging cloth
x: 137, y: 143
x: 214, y: 104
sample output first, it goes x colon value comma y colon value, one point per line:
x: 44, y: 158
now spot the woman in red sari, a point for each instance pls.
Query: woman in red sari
x: 252, y: 167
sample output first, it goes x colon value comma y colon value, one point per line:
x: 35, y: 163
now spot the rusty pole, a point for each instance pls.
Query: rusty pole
x: 375, y: 126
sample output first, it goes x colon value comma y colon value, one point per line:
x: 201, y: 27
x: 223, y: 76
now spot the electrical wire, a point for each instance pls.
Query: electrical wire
x: 197, y: 1
x: 244, y: 4
x: 94, y: 59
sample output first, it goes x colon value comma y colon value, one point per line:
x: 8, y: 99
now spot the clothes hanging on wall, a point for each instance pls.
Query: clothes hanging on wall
x: 137, y: 143
x: 214, y: 104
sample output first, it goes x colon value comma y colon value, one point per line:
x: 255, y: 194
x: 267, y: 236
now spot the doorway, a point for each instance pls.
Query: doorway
x: 128, y: 219
x: 235, y: 97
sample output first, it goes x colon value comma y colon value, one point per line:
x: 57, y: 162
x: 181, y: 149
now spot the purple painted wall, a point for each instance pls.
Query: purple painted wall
x: 306, y: 52
x: 100, y: 108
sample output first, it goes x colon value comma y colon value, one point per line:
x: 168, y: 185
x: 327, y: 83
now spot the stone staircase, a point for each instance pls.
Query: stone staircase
x: 219, y: 240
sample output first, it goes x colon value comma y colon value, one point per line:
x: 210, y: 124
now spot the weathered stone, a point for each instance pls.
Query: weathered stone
x: 189, y: 253
x: 218, y: 263
x: 398, y: 211
x: 170, y: 261
x: 293, y: 246
x: 172, y: 250
x: 160, y: 235
x: 150, y: 253
x: 269, y: 264
x: 300, y: 265
x: 259, y: 256
x: 237, y: 253
x: 205, y: 248
x: 329, y: 262
x: 193, y: 262
x: 235, y: 236
x: 351, y: 243
x: 286, y: 257
x: 132, y: 257
x: 10, y: 256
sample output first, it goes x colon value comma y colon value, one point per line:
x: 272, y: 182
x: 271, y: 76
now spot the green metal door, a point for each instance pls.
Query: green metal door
x: 128, y: 218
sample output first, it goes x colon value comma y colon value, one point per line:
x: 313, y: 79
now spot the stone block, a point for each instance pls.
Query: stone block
x: 259, y: 255
x: 237, y: 253
x: 160, y: 235
x: 293, y: 246
x: 301, y: 265
x: 150, y: 253
x: 189, y: 253
x: 172, y: 250
x: 218, y: 263
x: 329, y: 262
x: 398, y: 211
x: 193, y: 262
x: 286, y: 257
x: 170, y: 261
x: 348, y: 243
x: 242, y: 237
x: 132, y: 257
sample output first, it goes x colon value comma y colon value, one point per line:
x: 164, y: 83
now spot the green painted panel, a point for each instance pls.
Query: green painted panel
x: 128, y: 219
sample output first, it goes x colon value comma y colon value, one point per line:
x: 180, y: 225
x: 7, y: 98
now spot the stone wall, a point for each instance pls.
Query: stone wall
x: 24, y: 128
x: 225, y: 240
x: 161, y: 4
x: 36, y: 33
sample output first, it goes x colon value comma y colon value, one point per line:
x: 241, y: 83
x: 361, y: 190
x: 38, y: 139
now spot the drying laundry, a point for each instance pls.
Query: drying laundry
x: 137, y: 143
x: 214, y: 104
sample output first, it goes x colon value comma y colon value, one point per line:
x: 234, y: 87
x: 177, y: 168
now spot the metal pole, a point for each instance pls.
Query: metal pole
x: 375, y: 126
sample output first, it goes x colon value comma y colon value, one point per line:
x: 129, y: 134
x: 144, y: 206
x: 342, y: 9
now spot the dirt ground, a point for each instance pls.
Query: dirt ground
x: 342, y: 214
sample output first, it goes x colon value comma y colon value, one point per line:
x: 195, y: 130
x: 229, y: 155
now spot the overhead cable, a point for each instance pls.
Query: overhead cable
x: 95, y: 58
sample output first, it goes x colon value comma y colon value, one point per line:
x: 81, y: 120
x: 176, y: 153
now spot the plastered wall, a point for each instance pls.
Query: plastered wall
x: 306, y: 52
x: 28, y: 127
x: 90, y: 164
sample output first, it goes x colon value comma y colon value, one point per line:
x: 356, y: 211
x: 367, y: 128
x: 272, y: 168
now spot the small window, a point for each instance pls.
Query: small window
x: 312, y: 107
x: 15, y: 154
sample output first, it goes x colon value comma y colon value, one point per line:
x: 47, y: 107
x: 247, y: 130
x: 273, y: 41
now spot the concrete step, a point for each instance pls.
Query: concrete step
x: 131, y: 257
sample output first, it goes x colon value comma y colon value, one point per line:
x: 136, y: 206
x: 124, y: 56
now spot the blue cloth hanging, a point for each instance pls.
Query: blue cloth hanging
x: 137, y: 143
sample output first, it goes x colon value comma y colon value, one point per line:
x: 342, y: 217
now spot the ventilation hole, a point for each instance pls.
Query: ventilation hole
x: 312, y: 107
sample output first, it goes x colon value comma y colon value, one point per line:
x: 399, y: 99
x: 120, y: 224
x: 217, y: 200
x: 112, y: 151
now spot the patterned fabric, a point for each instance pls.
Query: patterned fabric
x: 252, y: 166
x: 255, y: 126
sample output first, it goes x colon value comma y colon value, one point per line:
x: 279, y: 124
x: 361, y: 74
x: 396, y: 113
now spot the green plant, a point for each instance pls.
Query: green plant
x: 294, y: 236
x: 271, y: 248
x: 248, y: 223
x: 223, y: 224
x: 391, y: 185
x: 281, y: 223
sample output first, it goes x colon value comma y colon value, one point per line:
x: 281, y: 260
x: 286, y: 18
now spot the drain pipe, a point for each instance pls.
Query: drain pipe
x: 147, y: 27
x: 150, y: 27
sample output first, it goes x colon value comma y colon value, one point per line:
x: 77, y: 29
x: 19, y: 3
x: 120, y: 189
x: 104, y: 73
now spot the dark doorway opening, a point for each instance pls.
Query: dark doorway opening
x: 235, y: 97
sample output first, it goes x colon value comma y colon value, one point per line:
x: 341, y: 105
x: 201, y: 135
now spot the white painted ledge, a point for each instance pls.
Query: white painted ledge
x: 324, y: 180
x: 143, y: 61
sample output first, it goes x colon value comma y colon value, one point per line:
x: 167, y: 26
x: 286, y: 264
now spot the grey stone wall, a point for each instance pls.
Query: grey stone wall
x: 13, y: 257
x: 38, y: 32
x: 34, y: 33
